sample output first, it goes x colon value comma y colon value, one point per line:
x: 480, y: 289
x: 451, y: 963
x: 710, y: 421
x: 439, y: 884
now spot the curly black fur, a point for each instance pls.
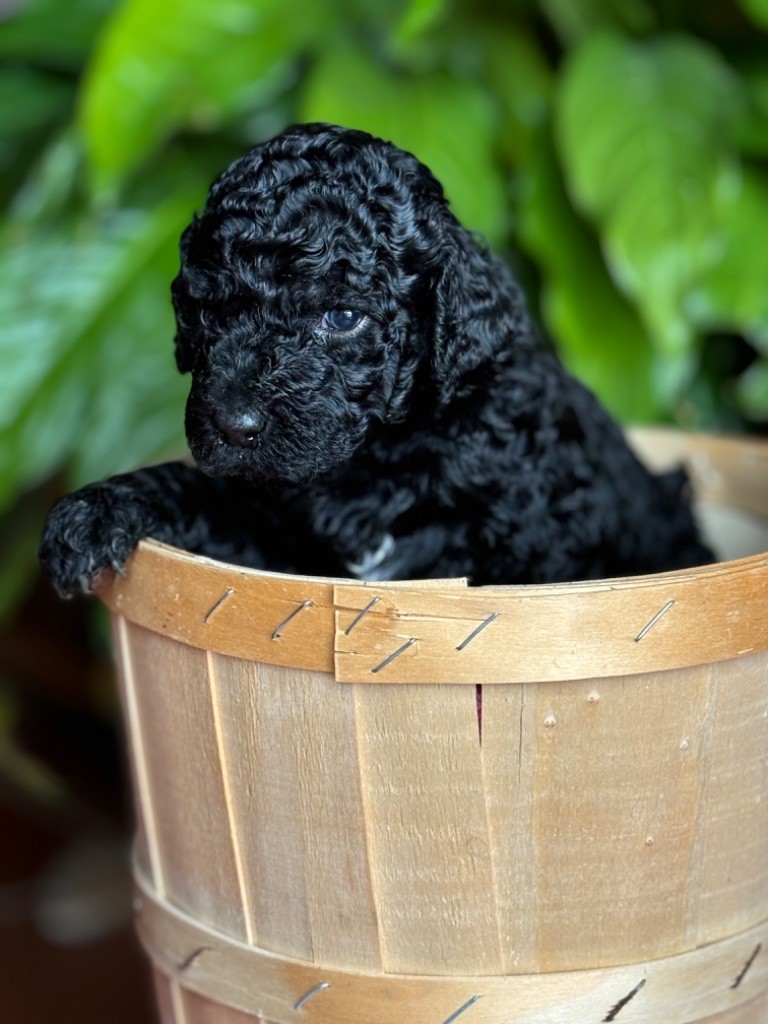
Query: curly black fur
x: 436, y: 437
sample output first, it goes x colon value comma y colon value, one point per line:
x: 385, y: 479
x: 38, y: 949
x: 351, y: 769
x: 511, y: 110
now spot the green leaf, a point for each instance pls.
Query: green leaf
x: 732, y: 293
x: 31, y: 103
x: 450, y: 125
x: 752, y: 391
x: 418, y: 18
x: 58, y: 32
x: 193, y: 64
x: 50, y: 184
x: 645, y: 135
x: 576, y: 20
x: 752, y: 126
x: 520, y: 77
x: 757, y: 10
x: 30, y: 100
x: 597, y: 332
x: 85, y: 338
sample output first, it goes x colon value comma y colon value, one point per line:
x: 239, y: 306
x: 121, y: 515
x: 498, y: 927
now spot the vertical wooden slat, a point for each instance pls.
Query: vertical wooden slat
x: 202, y: 1011
x: 288, y: 739
x: 176, y: 719
x: 509, y: 726
x: 427, y: 829
x: 615, y: 802
x: 342, y: 913
x: 146, y: 845
x: 258, y: 707
x: 236, y: 833
x: 735, y: 855
x: 164, y: 997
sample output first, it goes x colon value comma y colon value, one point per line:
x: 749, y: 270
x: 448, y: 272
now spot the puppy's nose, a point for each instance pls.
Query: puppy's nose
x: 240, y: 427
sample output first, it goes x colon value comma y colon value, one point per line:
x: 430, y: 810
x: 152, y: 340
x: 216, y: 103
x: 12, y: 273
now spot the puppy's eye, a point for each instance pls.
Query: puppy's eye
x: 341, y: 320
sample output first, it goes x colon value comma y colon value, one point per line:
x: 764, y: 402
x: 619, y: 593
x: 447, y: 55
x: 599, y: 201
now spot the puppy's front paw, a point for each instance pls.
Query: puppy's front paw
x: 93, y: 529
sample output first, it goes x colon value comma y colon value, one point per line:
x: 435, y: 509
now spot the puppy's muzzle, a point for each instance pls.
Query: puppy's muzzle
x: 240, y: 427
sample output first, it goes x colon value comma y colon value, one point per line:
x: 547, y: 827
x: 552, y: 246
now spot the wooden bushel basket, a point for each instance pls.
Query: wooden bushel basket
x: 333, y: 829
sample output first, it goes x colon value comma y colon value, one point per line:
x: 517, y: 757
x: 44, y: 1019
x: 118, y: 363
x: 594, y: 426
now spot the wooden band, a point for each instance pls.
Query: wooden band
x: 447, y: 634
x: 259, y: 616
x: 554, y: 633
x: 679, y: 989
x: 270, y: 617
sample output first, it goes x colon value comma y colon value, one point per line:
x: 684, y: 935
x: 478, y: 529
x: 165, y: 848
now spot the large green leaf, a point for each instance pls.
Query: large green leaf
x: 597, y: 332
x: 85, y: 340
x: 644, y: 132
x: 189, y: 63
x: 52, y: 32
x: 449, y: 124
x: 733, y: 291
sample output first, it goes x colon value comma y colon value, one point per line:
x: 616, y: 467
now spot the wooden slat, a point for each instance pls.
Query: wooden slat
x: 551, y: 633
x: 342, y: 913
x: 684, y: 989
x: 510, y: 722
x: 290, y: 747
x: 427, y: 829
x: 734, y: 880
x: 146, y: 846
x: 614, y: 810
x: 164, y: 997
x: 175, y: 715
x: 257, y: 709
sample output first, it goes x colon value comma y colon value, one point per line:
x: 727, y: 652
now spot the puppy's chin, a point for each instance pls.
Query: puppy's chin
x: 259, y: 466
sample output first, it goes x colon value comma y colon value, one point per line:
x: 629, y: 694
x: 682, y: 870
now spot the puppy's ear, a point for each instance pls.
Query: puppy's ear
x: 183, y: 347
x: 184, y: 337
x: 183, y: 353
x: 478, y: 309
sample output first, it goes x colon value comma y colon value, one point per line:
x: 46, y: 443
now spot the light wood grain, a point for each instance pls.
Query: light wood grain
x: 753, y: 1012
x: 292, y: 755
x: 186, y: 793
x: 225, y: 609
x: 615, y: 810
x: 268, y: 617
x: 163, y: 997
x: 734, y: 819
x: 726, y: 470
x: 146, y: 845
x: 550, y: 633
x: 427, y: 830
x: 681, y: 989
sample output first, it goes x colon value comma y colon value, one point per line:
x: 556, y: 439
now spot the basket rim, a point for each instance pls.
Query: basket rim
x: 349, y: 627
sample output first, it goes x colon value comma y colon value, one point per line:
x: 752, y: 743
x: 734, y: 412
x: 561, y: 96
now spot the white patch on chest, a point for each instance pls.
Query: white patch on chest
x: 366, y: 568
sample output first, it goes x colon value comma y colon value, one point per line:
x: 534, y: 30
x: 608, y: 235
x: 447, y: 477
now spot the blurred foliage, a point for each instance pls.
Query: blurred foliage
x: 615, y: 150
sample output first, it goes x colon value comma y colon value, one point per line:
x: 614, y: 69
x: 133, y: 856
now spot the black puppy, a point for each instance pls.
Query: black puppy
x: 368, y: 399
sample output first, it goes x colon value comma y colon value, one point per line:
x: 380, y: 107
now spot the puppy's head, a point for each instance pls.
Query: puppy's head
x: 312, y: 297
